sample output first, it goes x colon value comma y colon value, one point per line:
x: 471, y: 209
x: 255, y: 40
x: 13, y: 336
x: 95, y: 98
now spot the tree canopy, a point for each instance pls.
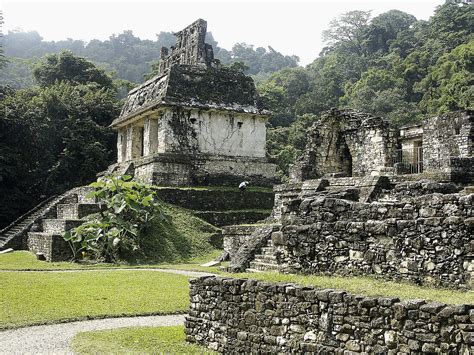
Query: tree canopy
x: 125, y: 55
x: 391, y: 65
x: 55, y: 136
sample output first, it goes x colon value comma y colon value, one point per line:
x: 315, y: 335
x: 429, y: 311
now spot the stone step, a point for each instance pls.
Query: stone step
x: 469, y: 189
x: 59, y: 226
x: 269, y: 259
x: 51, y: 245
x: 76, y: 210
x: 253, y: 270
x: 268, y: 250
x: 82, y: 195
x: 263, y: 266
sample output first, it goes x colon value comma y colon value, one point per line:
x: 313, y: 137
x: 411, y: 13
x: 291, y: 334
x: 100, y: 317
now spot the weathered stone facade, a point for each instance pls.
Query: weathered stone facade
x: 448, y: 146
x: 241, y: 316
x: 426, y: 239
x: 346, y: 143
x: 351, y: 143
x: 394, y: 226
x: 195, y: 122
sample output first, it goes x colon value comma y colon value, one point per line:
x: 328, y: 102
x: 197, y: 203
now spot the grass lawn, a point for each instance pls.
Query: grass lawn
x: 28, y: 298
x: 42, y: 297
x: 136, y: 340
x: 24, y: 261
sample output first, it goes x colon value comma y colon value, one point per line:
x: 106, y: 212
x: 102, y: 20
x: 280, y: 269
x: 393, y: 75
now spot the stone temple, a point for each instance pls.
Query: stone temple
x: 194, y: 123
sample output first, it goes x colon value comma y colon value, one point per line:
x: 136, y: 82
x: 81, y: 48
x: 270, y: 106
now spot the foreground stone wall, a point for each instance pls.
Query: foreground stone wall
x: 426, y: 239
x: 246, y: 316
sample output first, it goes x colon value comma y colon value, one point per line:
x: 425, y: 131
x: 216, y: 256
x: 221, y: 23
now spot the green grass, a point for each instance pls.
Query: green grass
x: 360, y: 285
x: 26, y: 261
x: 368, y: 286
x: 182, y: 238
x: 137, y: 340
x: 28, y: 298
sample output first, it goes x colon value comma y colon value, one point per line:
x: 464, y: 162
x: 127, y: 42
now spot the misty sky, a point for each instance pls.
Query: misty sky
x: 291, y: 27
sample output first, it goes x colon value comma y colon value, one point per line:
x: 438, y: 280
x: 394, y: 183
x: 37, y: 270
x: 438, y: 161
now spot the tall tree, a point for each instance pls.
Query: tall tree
x: 347, y: 31
x: 55, y: 136
x: 65, y: 66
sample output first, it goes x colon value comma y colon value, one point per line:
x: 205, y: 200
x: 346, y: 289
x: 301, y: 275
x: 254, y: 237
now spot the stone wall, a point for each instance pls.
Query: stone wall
x: 226, y: 218
x: 445, y: 137
x: 214, y: 199
x: 53, y: 247
x: 240, y: 316
x: 426, y: 238
x: 235, y: 236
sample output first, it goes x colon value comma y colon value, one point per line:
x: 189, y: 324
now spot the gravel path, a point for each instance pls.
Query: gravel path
x: 55, y: 338
x: 168, y: 271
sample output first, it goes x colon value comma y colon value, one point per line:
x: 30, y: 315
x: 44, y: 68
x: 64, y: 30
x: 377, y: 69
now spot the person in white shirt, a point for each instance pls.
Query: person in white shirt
x: 243, y: 185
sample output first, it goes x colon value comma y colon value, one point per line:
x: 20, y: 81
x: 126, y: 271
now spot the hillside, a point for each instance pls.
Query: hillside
x: 125, y: 56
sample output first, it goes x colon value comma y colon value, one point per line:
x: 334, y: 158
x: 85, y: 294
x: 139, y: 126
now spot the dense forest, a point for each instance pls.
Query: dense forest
x: 57, y: 104
x: 125, y: 56
x: 390, y: 65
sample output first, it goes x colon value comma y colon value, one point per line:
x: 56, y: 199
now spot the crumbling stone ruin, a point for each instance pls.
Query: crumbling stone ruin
x: 350, y: 143
x: 367, y: 199
x: 195, y: 123
x: 364, y: 199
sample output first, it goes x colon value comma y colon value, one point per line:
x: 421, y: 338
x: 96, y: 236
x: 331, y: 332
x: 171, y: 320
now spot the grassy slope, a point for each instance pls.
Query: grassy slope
x: 41, y: 297
x: 182, y: 238
x: 137, y: 340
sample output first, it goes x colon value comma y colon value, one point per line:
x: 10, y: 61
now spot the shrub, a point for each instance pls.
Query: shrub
x: 118, y: 231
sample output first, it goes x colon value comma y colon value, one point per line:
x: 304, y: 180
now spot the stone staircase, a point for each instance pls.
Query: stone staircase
x: 41, y: 229
x: 267, y: 260
x: 271, y: 256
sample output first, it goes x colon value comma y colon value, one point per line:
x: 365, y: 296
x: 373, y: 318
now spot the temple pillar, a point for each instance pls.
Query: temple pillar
x: 150, y: 139
x: 128, y: 143
x: 134, y: 142
x: 121, y: 145
x: 137, y: 142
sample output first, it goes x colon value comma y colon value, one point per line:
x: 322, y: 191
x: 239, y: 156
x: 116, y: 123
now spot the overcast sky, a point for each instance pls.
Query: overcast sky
x: 291, y: 27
